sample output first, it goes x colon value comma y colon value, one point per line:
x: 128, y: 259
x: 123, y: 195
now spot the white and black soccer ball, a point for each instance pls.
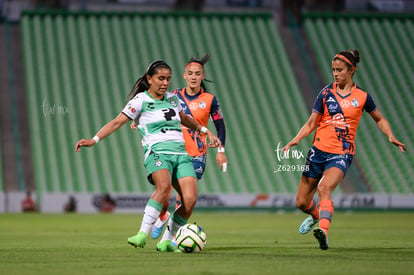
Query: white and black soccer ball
x: 191, y: 238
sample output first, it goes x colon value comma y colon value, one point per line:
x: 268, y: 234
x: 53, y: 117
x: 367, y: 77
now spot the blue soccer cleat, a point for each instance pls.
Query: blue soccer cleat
x: 159, y: 226
x: 307, y: 225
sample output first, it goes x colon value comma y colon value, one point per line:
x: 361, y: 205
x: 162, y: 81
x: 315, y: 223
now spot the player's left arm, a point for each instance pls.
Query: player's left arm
x: 218, y: 119
x: 385, y: 127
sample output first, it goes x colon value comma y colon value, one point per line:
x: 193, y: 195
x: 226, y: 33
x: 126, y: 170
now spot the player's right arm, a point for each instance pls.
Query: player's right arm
x: 131, y: 111
x: 108, y: 129
x: 305, y: 131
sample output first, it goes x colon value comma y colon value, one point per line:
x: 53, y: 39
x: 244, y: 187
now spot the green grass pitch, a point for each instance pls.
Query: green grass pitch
x: 237, y: 243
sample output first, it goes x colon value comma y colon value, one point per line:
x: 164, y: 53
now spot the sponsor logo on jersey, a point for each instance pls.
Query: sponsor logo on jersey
x: 183, y: 105
x: 339, y: 117
x: 218, y: 114
x: 330, y: 99
x: 345, y: 103
x: 193, y: 106
x: 338, y: 121
x: 355, y: 102
x: 332, y: 107
x: 131, y: 109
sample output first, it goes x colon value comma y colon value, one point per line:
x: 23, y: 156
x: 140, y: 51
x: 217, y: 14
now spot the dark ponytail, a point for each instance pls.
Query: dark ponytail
x: 201, y: 61
x: 355, y: 54
x: 142, y: 84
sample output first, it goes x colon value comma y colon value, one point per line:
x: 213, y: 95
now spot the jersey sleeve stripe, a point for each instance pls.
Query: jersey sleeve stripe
x: 127, y: 115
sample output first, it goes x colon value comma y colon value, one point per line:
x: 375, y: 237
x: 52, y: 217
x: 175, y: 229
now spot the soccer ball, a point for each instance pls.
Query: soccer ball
x: 191, y: 238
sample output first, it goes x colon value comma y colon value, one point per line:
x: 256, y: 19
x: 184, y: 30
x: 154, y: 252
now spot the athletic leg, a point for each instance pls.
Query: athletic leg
x: 306, y: 203
x: 161, y: 221
x: 162, y: 181
x: 330, y: 180
x: 187, y: 189
x: 304, y: 196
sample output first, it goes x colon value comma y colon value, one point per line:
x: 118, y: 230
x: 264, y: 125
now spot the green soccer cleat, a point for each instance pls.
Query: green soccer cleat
x: 307, y: 225
x: 139, y: 240
x: 166, y: 246
x: 320, y: 235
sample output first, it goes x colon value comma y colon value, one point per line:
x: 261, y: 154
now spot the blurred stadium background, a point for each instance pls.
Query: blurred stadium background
x: 67, y: 66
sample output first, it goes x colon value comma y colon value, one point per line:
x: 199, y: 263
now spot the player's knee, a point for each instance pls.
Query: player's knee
x: 324, y: 189
x: 191, y: 201
x: 188, y: 202
x: 163, y: 189
x: 301, y: 203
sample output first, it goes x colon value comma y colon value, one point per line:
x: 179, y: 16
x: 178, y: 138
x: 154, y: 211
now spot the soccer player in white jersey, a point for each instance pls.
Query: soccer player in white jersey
x: 198, y: 103
x: 159, y: 116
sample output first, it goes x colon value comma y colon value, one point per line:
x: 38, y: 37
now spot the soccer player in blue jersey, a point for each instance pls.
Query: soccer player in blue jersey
x: 335, y: 116
x: 158, y: 116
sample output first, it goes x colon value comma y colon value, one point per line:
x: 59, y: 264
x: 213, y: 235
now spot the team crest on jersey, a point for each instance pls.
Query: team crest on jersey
x: 202, y: 105
x: 173, y: 102
x: 158, y: 163
x: 355, y: 102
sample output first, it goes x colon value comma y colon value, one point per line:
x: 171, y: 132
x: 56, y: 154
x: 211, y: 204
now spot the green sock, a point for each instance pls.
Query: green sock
x: 174, y: 224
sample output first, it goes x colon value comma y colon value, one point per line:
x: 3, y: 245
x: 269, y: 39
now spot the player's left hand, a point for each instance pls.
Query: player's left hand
x: 291, y: 143
x: 394, y: 141
x: 221, y: 161
x: 133, y: 126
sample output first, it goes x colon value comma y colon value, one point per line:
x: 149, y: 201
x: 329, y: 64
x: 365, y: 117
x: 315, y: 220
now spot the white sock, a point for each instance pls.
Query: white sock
x: 173, y: 227
x: 150, y: 216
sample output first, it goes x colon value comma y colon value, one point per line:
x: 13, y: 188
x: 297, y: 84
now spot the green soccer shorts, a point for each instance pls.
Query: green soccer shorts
x: 180, y: 166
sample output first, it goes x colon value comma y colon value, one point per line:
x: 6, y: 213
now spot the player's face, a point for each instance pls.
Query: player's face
x: 341, y: 73
x: 194, y: 74
x: 159, y: 83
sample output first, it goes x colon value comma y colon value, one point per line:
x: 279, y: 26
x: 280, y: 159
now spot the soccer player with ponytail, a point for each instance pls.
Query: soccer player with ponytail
x: 158, y: 116
x: 335, y: 116
x: 201, y: 105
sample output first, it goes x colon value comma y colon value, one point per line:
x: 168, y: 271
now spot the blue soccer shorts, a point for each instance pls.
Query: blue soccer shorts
x: 318, y: 162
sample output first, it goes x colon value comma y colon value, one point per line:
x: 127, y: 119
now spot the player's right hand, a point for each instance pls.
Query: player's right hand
x: 84, y: 143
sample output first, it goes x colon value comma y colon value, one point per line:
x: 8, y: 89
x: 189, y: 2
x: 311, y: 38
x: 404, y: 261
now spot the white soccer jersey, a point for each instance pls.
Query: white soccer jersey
x: 158, y: 122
